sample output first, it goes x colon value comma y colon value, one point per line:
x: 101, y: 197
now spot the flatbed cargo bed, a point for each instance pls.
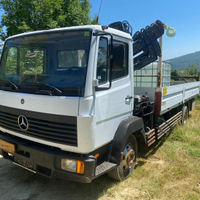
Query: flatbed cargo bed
x: 167, y: 98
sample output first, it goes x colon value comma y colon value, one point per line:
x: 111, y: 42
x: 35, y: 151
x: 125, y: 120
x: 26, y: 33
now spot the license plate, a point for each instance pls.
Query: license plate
x: 24, y: 163
x: 7, y: 146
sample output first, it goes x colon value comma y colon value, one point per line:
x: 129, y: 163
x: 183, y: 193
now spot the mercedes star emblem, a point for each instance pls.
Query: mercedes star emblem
x: 23, y: 123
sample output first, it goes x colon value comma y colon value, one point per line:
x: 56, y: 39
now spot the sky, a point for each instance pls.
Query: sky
x: 182, y: 15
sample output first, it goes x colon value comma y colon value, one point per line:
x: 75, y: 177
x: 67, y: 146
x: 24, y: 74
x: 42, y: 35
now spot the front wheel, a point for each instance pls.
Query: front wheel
x: 127, y: 161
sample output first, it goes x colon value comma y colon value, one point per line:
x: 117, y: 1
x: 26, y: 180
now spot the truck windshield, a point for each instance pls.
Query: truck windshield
x: 39, y: 61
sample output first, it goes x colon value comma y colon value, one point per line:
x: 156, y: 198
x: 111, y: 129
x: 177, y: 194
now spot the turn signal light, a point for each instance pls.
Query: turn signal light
x: 80, y: 167
x: 97, y: 155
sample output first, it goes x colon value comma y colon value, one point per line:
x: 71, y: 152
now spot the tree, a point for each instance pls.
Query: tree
x: 31, y: 15
x: 94, y: 20
x: 191, y: 71
x: 175, y: 72
x: 1, y: 43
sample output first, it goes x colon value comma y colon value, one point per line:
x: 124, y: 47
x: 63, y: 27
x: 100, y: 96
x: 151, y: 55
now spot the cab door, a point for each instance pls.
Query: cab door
x: 115, y: 104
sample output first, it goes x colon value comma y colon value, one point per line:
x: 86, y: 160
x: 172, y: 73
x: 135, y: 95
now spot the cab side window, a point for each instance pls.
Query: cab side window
x: 120, y: 70
x: 102, y: 62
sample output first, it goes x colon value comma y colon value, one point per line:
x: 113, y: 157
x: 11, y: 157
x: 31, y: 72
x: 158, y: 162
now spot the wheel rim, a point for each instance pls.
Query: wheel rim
x: 128, y: 157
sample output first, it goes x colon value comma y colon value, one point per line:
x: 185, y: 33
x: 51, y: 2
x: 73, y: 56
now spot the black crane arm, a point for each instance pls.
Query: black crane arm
x: 145, y: 42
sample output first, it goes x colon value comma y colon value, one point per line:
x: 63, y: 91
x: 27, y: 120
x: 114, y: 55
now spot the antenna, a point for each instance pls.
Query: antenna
x: 99, y: 12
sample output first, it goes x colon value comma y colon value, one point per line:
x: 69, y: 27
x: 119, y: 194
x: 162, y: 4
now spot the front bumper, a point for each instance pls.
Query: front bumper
x: 47, y: 161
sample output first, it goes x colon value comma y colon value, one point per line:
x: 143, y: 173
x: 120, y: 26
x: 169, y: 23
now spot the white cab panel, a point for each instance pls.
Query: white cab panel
x: 101, y: 114
x: 86, y: 134
x: 111, y: 107
x: 57, y: 105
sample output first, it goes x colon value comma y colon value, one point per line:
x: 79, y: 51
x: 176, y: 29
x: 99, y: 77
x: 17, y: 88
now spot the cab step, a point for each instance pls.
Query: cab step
x: 104, y: 167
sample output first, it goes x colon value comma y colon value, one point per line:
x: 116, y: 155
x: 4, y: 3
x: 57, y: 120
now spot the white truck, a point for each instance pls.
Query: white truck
x: 68, y: 106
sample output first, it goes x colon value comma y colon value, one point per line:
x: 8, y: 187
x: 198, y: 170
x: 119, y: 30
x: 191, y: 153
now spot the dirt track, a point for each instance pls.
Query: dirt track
x: 19, y: 184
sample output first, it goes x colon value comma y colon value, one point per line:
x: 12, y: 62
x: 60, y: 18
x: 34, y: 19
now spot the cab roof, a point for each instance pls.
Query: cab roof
x: 91, y: 27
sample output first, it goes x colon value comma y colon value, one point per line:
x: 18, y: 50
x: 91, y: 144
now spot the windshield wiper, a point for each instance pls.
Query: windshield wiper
x: 50, y: 92
x: 8, y: 88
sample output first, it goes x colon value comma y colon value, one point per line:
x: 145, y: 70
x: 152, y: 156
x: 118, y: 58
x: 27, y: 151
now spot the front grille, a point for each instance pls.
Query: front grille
x: 53, y: 128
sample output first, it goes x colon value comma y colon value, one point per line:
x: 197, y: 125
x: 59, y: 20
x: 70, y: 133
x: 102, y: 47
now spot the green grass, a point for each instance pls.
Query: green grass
x: 169, y: 170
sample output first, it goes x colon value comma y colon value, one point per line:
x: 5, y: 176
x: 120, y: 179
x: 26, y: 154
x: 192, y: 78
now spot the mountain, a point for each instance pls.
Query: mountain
x: 186, y: 61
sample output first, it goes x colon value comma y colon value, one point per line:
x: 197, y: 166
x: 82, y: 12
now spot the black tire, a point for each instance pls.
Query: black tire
x: 185, y: 114
x: 127, y: 162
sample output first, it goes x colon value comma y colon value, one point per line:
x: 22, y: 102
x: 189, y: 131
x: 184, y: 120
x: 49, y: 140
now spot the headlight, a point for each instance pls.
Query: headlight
x: 68, y: 165
x: 73, y: 166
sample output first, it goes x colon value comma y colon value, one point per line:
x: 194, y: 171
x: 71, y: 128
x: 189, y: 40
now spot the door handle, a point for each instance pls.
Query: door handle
x: 128, y: 97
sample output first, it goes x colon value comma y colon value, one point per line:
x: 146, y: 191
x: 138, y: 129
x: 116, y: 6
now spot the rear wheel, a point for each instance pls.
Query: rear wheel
x: 127, y: 162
